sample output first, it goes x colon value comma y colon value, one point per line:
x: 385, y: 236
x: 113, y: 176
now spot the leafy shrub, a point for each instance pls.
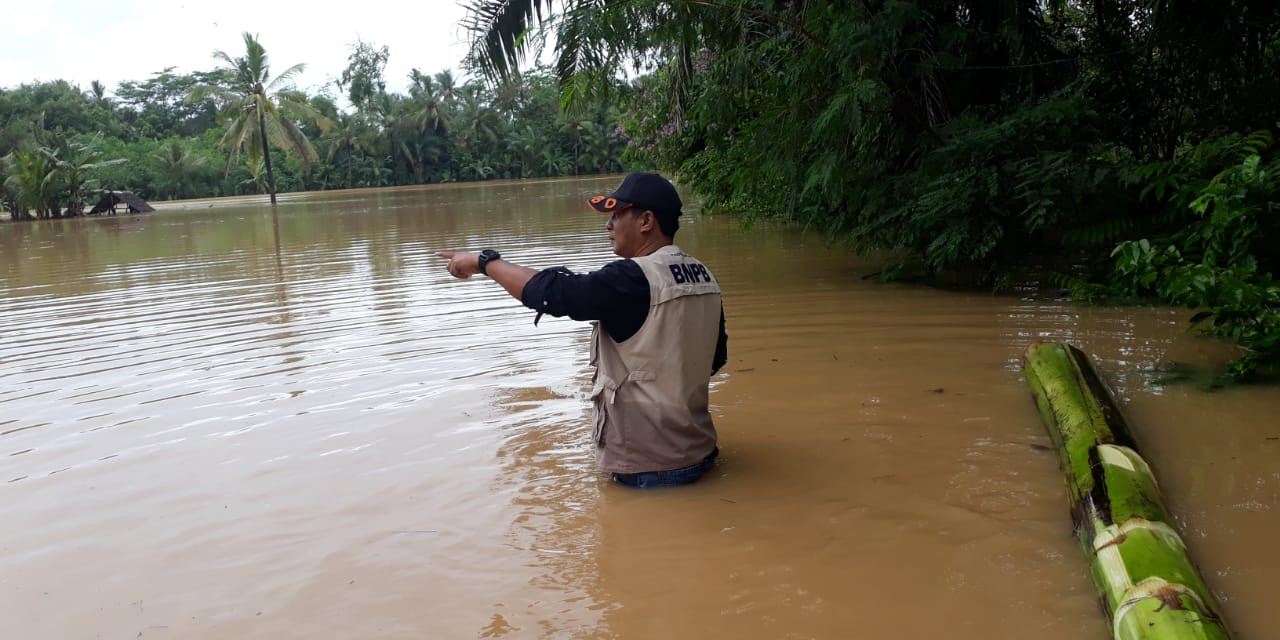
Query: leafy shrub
x: 1221, y: 200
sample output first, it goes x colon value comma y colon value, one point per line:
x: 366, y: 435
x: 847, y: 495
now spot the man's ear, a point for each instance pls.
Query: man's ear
x: 648, y: 221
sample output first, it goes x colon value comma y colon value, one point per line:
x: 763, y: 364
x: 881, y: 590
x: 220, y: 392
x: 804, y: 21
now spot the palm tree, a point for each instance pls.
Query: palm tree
x: 256, y: 174
x: 73, y: 163
x: 98, y: 92
x: 261, y: 111
x: 526, y: 142
x: 477, y: 124
x: 592, y: 38
x: 554, y: 162
x: 350, y: 139
x: 422, y: 153
x: 431, y: 118
x: 448, y: 87
x: 509, y: 97
x: 31, y: 182
x: 420, y: 82
x: 178, y: 168
x: 600, y: 150
x: 402, y: 128
x: 478, y: 168
x: 430, y: 112
x: 574, y: 128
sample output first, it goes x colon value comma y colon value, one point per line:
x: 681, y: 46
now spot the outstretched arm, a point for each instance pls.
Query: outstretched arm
x: 512, y: 277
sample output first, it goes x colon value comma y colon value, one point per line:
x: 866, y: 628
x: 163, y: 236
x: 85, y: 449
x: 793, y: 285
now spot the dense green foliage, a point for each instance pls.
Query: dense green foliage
x: 962, y: 136
x: 1216, y: 252
x: 178, y: 135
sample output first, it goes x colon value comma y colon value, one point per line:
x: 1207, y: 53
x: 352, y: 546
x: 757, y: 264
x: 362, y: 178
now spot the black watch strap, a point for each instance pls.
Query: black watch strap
x: 485, y: 257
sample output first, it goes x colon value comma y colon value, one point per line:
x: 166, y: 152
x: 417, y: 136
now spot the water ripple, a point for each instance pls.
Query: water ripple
x: 220, y: 412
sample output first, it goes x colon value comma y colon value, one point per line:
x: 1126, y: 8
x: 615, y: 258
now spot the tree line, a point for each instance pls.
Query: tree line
x: 1126, y: 147
x: 238, y: 129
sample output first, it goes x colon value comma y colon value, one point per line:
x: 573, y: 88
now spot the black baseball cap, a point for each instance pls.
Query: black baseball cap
x: 647, y: 191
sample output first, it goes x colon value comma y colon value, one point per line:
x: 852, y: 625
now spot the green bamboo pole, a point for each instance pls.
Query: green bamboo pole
x: 1149, y: 588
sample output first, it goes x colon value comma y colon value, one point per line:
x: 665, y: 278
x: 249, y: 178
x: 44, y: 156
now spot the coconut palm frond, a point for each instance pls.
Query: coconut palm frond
x: 291, y: 98
x: 295, y: 106
x: 294, y: 138
x: 235, y: 136
x: 253, y: 149
x: 254, y: 65
x: 591, y: 44
x: 226, y: 58
x: 497, y: 29
x: 221, y: 96
x: 592, y: 38
x: 286, y: 78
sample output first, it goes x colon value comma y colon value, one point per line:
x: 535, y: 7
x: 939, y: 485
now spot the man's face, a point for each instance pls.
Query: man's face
x: 625, y: 233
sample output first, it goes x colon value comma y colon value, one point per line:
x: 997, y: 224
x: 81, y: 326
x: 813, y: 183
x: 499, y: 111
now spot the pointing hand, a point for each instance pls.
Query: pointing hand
x: 462, y: 264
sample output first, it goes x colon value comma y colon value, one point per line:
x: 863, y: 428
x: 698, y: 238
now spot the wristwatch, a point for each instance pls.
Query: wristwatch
x: 485, y: 257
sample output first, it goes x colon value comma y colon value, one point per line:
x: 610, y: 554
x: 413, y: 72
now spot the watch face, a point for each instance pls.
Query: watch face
x: 485, y: 257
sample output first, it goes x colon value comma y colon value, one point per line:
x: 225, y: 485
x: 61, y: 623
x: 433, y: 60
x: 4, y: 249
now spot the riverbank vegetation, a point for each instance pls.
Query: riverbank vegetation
x: 1132, y: 142
x: 1127, y: 148
x: 201, y: 134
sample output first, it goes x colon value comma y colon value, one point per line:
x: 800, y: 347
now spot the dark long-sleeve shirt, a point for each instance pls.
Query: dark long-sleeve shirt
x: 617, y: 295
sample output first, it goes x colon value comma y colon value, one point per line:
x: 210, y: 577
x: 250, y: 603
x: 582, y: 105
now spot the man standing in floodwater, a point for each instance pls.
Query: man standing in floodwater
x: 657, y: 337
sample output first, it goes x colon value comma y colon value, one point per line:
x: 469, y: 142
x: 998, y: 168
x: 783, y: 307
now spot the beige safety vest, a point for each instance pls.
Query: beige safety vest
x: 650, y: 391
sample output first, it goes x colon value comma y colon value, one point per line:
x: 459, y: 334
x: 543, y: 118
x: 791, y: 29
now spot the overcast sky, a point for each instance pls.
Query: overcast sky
x: 114, y: 40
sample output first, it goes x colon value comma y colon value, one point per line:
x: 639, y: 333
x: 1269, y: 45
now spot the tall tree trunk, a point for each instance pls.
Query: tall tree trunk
x: 266, y: 154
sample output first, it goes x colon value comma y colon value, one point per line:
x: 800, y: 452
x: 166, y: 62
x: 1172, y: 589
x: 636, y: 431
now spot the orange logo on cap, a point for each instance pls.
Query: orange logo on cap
x: 610, y: 203
x: 597, y: 199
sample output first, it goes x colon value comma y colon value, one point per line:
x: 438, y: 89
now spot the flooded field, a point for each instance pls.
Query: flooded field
x: 218, y: 423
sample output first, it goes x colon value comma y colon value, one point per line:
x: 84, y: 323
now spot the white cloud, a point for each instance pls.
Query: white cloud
x: 85, y: 40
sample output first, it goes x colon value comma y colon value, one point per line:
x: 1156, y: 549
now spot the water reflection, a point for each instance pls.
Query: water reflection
x: 548, y: 473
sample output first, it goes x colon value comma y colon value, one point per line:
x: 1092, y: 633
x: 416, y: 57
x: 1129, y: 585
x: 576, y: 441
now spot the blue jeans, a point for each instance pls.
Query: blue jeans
x: 674, y: 477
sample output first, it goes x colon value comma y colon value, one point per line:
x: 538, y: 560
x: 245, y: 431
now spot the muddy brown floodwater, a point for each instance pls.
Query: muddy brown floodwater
x: 214, y: 424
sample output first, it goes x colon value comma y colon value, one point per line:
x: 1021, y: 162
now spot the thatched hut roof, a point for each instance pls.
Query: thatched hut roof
x: 110, y: 199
